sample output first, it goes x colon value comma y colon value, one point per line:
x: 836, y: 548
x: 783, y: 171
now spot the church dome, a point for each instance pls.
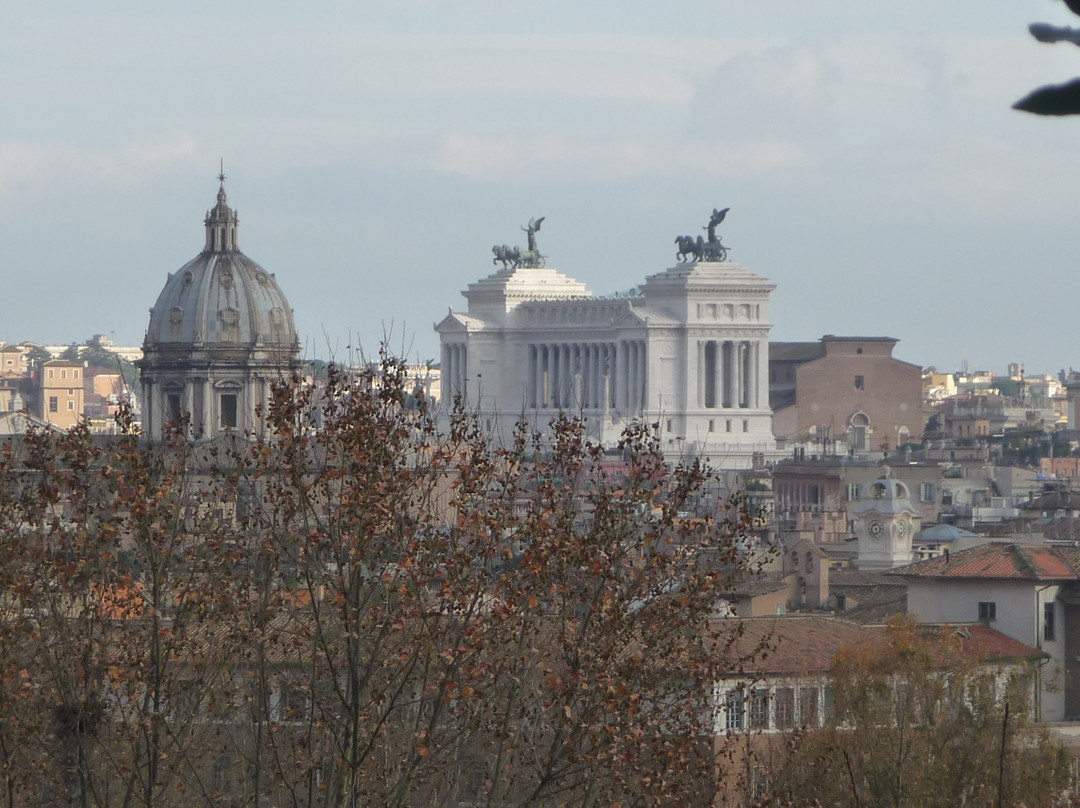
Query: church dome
x: 221, y: 297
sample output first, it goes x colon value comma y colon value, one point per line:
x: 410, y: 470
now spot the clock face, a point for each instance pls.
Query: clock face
x: 901, y: 529
x: 875, y: 529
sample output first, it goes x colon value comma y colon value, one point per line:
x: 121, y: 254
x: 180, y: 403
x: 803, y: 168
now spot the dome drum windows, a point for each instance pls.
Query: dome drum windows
x: 173, y: 401
x: 229, y: 410
x: 229, y: 396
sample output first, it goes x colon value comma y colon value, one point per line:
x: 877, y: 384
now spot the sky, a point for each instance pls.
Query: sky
x: 375, y: 152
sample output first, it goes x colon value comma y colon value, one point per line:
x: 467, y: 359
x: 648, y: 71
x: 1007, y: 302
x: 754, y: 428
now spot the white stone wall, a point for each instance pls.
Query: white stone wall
x: 690, y: 354
x: 1019, y: 606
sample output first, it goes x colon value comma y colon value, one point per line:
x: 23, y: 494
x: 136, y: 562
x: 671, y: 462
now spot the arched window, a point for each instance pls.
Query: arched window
x: 860, y: 431
x: 809, y: 561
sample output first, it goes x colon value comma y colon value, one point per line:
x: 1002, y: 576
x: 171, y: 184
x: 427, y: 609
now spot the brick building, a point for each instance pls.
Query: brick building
x: 845, y: 393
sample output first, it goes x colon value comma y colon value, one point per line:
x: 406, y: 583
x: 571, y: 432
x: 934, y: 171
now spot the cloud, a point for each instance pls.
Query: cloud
x: 25, y: 163
x: 777, y: 92
x: 549, y: 157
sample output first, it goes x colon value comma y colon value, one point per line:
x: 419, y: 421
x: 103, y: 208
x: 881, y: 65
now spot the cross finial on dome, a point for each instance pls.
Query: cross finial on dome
x: 221, y: 172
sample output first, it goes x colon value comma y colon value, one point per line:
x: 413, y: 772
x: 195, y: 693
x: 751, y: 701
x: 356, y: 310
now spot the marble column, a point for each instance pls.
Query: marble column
x: 701, y: 374
x: 729, y: 374
x: 740, y: 374
x: 624, y: 377
x: 643, y: 384
x: 568, y: 375
x: 755, y: 374
x: 718, y: 376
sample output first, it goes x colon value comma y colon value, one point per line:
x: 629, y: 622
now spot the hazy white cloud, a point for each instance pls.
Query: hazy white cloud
x: 548, y: 158
x: 777, y: 92
x: 24, y: 163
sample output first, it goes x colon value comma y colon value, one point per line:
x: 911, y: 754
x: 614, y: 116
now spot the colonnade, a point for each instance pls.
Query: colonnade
x: 729, y: 374
x: 589, y: 375
x: 455, y: 366
x: 199, y: 398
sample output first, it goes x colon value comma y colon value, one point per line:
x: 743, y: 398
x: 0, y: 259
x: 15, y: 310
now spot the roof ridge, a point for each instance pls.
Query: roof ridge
x: 1020, y: 556
x: 1059, y: 552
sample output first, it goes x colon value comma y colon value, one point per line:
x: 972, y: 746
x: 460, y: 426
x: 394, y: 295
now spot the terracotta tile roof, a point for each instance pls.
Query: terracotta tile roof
x: 1001, y: 560
x: 793, y: 644
x: 989, y: 644
x: 805, y: 645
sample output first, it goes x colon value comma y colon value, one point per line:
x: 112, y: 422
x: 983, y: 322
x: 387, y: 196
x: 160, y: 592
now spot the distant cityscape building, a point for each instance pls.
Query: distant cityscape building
x: 220, y: 332
x: 61, y: 385
x: 847, y: 392
x: 129, y: 353
x: 885, y: 522
x: 687, y: 350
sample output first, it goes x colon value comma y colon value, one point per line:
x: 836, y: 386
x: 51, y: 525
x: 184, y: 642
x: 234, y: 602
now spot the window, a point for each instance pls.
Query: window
x: 733, y: 710
x: 785, y: 707
x: 759, y: 785
x: 293, y: 701
x: 830, y: 703
x: 745, y: 425
x: 759, y: 709
x: 54, y: 404
x: 172, y: 407
x: 668, y: 425
x: 1048, y: 621
x: 987, y: 611
x: 71, y: 406
x: 222, y: 773
x: 927, y: 492
x: 808, y: 707
x: 795, y: 560
x: 809, y: 561
x: 859, y: 384
x: 228, y: 411
x: 860, y: 431
x: 712, y: 425
x: 854, y: 491
x: 728, y: 424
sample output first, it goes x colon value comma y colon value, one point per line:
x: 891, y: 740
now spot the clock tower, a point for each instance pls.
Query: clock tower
x: 885, y: 521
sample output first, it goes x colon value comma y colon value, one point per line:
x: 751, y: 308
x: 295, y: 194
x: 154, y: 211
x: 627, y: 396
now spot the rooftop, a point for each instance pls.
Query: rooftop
x: 807, y: 644
x: 1001, y: 561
